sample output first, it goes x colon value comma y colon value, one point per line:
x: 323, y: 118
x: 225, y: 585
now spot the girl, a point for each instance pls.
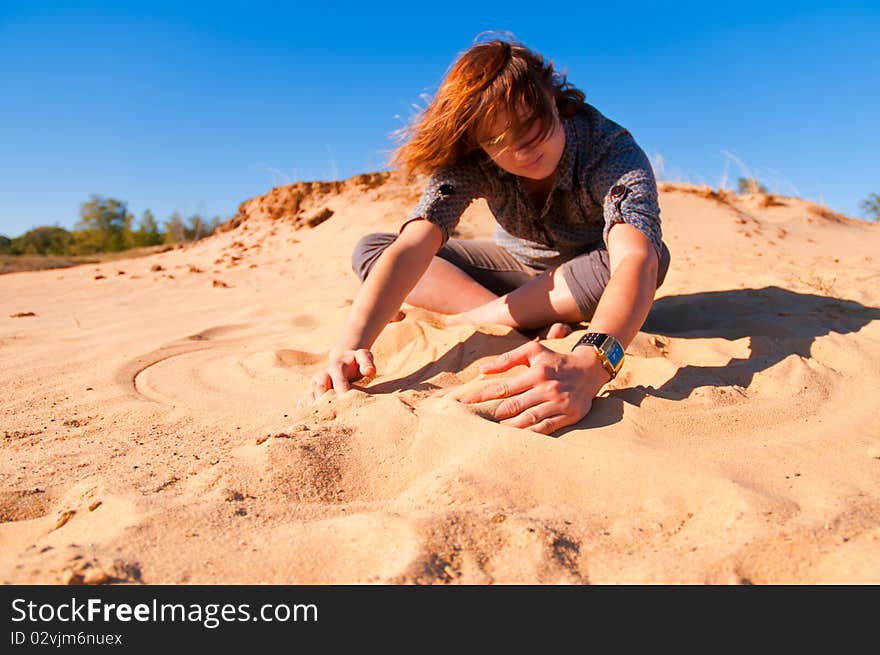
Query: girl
x: 558, y: 176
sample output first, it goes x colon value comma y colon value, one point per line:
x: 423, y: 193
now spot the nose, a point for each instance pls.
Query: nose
x: 523, y: 155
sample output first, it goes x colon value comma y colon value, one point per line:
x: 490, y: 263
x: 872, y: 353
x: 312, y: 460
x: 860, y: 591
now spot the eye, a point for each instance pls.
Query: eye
x: 492, y: 142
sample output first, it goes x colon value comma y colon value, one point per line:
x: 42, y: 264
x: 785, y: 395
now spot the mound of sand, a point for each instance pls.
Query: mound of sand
x: 151, y: 431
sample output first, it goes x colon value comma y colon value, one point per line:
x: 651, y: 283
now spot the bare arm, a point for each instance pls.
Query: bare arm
x: 394, y: 275
x: 629, y: 295
x: 396, y: 272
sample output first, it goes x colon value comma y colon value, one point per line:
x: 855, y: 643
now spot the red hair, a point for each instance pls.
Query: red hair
x: 491, y: 77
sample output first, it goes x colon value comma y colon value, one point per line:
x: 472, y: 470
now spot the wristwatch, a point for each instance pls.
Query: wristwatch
x: 607, y: 347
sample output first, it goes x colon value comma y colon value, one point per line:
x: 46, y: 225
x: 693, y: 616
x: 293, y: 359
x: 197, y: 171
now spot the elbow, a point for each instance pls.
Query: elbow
x: 649, y: 270
x: 646, y: 264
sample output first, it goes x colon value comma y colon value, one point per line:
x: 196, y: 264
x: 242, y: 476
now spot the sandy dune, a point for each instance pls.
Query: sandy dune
x: 151, y: 431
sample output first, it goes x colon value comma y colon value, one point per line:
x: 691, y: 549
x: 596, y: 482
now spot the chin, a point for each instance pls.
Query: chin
x: 540, y: 173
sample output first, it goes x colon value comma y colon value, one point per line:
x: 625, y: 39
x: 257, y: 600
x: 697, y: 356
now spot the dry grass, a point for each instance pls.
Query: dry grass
x: 829, y: 215
x: 18, y: 263
x: 823, y: 285
x: 770, y: 200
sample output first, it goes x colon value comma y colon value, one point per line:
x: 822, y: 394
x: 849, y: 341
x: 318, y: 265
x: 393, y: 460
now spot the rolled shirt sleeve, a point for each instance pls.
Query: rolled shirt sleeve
x: 447, y: 194
x: 625, y: 185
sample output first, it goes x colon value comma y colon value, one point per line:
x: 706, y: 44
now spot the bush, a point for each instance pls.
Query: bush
x: 43, y: 240
x: 871, y: 206
x: 749, y: 185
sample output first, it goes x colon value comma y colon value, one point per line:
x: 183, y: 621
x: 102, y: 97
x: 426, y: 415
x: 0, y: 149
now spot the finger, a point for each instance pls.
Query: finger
x: 524, y: 401
x: 532, y: 416
x: 552, y: 424
x: 517, y: 404
x: 521, y: 355
x: 340, y: 383
x: 499, y: 389
x: 364, y: 358
x: 320, y: 383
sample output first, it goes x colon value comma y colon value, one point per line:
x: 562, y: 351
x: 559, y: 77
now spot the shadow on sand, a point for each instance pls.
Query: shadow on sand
x: 778, y: 321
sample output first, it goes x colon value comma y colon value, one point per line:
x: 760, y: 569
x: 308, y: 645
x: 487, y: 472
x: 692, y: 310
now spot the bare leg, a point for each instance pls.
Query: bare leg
x: 446, y: 289
x: 543, y: 300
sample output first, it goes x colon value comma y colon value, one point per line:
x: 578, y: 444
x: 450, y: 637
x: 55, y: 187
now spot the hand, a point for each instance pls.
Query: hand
x: 343, y: 366
x: 556, y: 391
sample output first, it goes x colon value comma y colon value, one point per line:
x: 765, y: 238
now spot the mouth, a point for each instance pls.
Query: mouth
x: 535, y: 162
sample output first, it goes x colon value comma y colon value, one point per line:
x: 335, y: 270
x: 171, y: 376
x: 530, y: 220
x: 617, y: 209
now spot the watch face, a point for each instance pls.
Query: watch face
x: 615, y: 354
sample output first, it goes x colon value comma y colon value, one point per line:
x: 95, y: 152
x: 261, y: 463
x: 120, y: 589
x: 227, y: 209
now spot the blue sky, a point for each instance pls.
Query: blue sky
x: 195, y: 107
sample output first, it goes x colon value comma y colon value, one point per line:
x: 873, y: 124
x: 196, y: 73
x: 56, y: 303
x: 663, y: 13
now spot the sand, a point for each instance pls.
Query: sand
x: 151, y: 431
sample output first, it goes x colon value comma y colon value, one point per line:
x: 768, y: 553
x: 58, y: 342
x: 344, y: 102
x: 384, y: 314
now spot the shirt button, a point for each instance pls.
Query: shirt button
x: 618, y: 191
x: 446, y: 189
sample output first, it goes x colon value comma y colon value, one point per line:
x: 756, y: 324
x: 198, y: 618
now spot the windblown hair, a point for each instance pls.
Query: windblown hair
x: 491, y: 77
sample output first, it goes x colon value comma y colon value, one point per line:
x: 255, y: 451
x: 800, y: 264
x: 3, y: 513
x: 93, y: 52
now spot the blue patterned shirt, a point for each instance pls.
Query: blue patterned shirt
x: 603, y: 178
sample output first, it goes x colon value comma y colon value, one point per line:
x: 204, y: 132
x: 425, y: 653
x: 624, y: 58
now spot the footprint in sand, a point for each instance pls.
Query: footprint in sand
x: 304, y: 321
x: 289, y: 358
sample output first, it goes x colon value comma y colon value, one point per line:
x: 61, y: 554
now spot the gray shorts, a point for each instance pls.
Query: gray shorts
x: 494, y: 268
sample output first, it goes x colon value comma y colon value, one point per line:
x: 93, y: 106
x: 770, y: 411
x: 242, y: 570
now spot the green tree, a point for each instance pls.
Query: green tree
x: 5, y: 244
x: 175, y: 230
x: 148, y: 233
x: 104, y: 226
x: 749, y: 185
x: 42, y: 240
x: 871, y: 206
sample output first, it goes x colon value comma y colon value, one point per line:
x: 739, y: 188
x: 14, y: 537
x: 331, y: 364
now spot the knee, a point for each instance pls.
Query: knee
x: 367, y: 251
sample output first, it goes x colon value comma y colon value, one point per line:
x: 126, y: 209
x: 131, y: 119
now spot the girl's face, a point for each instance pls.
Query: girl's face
x: 536, y: 161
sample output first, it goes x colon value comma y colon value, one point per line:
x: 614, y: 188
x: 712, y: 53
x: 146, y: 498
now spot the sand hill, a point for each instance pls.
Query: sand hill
x: 151, y: 433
